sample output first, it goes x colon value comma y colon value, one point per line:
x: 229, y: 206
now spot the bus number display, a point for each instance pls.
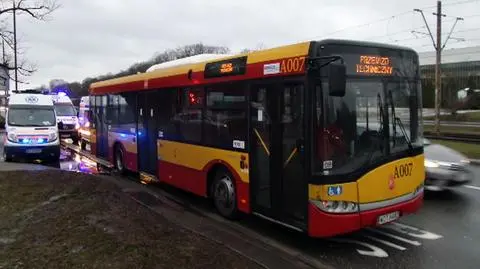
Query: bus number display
x: 230, y: 67
x: 374, y: 65
x: 293, y: 65
x: 226, y: 68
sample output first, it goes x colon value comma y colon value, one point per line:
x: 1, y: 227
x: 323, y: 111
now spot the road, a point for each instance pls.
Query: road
x: 444, y: 234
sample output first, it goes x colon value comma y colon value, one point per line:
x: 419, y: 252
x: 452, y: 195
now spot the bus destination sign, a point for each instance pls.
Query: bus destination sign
x: 374, y: 65
x: 230, y: 67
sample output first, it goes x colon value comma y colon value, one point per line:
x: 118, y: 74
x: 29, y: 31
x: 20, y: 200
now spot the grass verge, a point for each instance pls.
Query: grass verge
x: 454, y: 129
x: 470, y: 150
x: 472, y: 116
x: 57, y: 219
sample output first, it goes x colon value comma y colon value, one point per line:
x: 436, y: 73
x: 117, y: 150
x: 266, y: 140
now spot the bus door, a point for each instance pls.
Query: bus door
x: 278, y: 185
x: 101, y: 126
x: 147, y: 133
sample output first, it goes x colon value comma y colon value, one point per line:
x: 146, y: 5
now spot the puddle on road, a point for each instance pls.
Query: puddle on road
x: 71, y: 161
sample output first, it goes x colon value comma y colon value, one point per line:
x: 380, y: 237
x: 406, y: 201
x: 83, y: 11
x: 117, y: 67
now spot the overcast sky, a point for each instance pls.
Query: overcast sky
x: 93, y: 37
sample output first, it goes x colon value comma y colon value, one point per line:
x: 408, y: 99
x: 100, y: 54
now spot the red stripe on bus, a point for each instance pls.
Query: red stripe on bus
x: 131, y: 161
x: 183, y: 177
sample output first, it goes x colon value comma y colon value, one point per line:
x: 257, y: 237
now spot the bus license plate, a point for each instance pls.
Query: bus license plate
x: 34, y: 150
x: 388, y: 217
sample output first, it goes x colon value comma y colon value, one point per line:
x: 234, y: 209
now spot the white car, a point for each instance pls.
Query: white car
x: 445, y: 168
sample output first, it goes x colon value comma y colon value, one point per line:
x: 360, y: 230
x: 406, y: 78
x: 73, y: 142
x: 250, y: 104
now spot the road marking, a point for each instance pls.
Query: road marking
x: 390, y: 230
x: 374, y: 251
x: 411, y: 242
x: 390, y: 244
x: 403, y: 228
x: 472, y: 187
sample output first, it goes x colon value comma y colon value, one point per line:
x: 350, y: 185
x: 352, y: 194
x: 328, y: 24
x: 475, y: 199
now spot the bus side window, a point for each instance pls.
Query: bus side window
x: 225, y: 120
x: 189, y: 115
x: 168, y: 105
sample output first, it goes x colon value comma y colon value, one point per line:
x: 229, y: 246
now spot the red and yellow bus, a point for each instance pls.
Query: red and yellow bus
x: 323, y: 137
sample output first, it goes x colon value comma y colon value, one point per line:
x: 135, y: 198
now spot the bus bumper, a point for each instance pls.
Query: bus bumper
x: 323, y: 224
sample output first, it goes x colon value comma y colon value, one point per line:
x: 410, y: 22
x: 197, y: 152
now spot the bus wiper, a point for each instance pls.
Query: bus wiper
x: 380, y: 131
x: 400, y: 123
x: 404, y: 132
x: 394, y: 117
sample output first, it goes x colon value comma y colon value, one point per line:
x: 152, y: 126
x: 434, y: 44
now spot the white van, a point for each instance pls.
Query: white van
x: 31, y: 128
x: 67, y: 115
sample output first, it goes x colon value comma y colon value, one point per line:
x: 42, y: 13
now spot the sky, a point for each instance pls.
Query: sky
x: 87, y: 38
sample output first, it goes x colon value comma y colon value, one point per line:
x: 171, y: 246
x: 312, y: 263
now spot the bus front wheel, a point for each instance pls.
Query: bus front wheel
x: 224, y: 194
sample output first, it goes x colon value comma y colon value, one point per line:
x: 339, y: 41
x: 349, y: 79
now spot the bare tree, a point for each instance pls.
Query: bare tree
x: 260, y: 46
x: 37, y: 9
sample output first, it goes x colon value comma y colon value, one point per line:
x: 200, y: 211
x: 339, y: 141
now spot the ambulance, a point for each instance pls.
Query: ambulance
x: 31, y: 129
x: 67, y: 115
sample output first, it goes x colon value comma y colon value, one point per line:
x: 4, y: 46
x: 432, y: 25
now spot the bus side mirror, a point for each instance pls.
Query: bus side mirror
x: 337, y: 79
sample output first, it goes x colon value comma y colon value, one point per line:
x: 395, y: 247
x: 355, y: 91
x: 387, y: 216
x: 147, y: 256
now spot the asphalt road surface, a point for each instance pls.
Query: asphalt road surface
x: 444, y: 234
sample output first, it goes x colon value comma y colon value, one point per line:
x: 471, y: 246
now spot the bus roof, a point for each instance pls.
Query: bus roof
x: 177, y: 75
x: 285, y: 60
x: 188, y: 60
x: 363, y: 44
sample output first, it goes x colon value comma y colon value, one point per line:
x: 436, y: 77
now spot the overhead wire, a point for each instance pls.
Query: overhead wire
x: 361, y: 25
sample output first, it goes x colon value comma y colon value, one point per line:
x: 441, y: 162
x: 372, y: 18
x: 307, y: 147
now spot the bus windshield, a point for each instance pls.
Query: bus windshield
x: 65, y: 110
x: 31, y: 117
x: 376, y: 117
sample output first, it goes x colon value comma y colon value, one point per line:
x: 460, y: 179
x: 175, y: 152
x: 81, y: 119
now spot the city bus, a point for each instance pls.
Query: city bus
x: 322, y: 137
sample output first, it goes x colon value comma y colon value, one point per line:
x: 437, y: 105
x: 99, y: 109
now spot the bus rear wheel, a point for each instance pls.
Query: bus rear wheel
x: 224, y: 194
x: 119, y: 160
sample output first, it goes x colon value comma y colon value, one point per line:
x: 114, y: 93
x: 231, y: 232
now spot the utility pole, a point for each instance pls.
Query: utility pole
x: 438, y: 70
x: 15, y: 44
x: 438, y: 49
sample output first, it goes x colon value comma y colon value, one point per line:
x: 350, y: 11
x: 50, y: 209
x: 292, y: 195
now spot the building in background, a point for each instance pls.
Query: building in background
x: 460, y: 71
x: 4, y: 88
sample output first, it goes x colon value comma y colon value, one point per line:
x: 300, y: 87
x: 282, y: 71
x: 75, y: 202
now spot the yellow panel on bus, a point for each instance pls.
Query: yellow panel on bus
x: 388, y: 181
x: 198, y: 157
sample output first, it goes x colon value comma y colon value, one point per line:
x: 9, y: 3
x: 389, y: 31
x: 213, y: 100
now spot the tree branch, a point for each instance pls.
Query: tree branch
x: 12, y: 78
x: 46, y: 7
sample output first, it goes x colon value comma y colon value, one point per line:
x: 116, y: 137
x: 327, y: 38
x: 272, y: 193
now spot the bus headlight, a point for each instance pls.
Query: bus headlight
x: 336, y: 206
x: 77, y: 126
x: 87, y: 124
